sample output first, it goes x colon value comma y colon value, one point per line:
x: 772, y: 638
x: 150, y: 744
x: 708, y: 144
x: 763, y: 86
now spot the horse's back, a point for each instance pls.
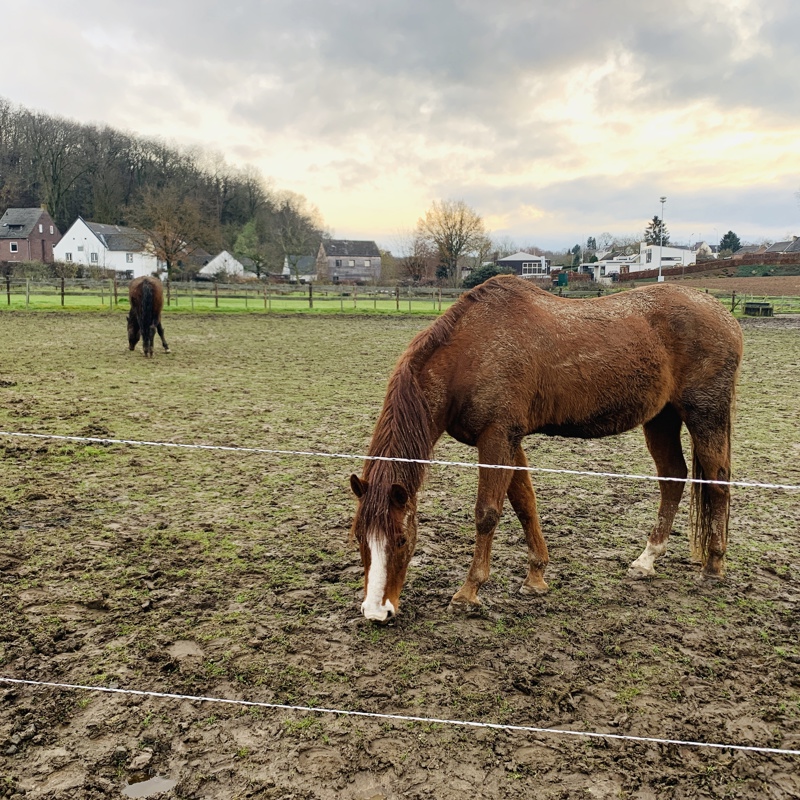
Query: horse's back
x: 590, y: 367
x: 146, y: 290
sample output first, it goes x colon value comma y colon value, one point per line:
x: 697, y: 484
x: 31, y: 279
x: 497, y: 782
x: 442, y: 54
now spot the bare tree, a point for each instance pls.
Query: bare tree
x: 172, y: 222
x: 296, y: 229
x: 417, y: 257
x: 455, y: 230
x: 505, y: 246
x: 58, y: 149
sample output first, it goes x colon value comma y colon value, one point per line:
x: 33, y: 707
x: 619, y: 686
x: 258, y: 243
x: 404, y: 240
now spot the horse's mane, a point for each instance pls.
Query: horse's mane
x: 403, y: 429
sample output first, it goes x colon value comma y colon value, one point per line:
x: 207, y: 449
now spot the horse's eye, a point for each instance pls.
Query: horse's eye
x: 401, y: 542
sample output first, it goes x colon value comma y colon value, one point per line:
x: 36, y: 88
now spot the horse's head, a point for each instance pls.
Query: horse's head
x: 133, y: 330
x: 385, y: 527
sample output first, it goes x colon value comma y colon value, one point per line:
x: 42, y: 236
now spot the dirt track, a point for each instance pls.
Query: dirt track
x: 231, y: 575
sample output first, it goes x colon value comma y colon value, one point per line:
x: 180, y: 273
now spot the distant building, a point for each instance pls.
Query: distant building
x: 225, y: 263
x: 94, y: 244
x: 348, y: 261
x: 526, y: 265
x: 28, y: 234
x: 783, y: 247
x: 669, y: 255
x: 302, y: 268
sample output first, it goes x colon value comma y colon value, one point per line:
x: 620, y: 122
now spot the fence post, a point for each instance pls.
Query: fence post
x: 310, y: 295
x: 102, y: 293
x: 116, y: 297
x: 397, y: 297
x: 110, y: 295
x: 27, y: 292
x: 245, y: 298
x: 62, y: 290
x: 733, y: 301
x: 216, y: 295
x: 191, y: 293
x: 8, y: 289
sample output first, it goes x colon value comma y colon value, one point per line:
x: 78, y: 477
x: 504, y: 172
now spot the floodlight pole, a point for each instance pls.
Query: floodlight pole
x: 661, y: 244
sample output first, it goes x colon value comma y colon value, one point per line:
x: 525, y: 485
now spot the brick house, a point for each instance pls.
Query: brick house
x: 348, y: 261
x: 28, y: 234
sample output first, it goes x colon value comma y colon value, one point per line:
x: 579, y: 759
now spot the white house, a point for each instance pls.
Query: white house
x: 224, y: 262
x: 94, y: 244
x: 671, y: 256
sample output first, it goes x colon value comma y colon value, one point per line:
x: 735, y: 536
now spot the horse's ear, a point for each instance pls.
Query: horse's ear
x: 358, y: 486
x: 399, y: 495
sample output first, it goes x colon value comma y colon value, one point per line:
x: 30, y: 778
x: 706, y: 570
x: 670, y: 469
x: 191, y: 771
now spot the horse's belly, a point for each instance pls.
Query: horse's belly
x: 594, y: 424
x: 590, y: 429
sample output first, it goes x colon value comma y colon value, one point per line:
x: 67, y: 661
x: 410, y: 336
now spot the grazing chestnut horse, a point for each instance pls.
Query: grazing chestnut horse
x: 508, y: 360
x: 147, y: 299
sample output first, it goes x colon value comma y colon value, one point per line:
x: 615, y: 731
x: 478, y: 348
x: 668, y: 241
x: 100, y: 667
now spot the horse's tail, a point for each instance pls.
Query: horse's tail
x: 701, y: 504
x: 147, y: 309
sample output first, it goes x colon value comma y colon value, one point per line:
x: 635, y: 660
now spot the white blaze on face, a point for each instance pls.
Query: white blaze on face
x: 373, y: 606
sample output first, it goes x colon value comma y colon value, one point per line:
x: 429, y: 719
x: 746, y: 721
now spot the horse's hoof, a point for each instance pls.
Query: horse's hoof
x: 463, y: 605
x: 637, y: 573
x: 710, y: 578
x: 167, y: 350
x: 530, y: 589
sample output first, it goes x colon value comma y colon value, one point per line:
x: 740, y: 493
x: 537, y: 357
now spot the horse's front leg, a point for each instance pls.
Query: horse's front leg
x: 523, y: 501
x: 493, y: 448
x: 160, y: 329
x: 663, y: 436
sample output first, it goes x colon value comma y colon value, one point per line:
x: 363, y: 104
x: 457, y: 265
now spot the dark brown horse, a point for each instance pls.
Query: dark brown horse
x: 144, y: 319
x: 508, y: 360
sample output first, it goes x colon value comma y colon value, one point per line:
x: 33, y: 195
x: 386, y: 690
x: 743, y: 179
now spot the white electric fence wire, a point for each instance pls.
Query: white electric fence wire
x: 406, y: 717
x: 356, y: 457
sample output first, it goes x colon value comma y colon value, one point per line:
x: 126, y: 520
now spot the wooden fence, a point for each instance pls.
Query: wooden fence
x: 264, y: 297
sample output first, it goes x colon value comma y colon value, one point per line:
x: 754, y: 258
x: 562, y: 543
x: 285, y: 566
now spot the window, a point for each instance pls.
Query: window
x: 129, y: 258
x: 94, y: 258
x: 367, y: 262
x: 41, y: 228
x: 80, y: 248
x: 338, y: 262
x: 52, y: 231
x: 13, y: 247
x: 351, y: 262
x: 649, y: 256
x: 533, y: 268
x: 67, y: 256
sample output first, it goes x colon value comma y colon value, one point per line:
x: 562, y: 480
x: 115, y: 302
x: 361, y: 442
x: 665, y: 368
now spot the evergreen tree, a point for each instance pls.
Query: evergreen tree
x: 730, y: 241
x: 652, y: 234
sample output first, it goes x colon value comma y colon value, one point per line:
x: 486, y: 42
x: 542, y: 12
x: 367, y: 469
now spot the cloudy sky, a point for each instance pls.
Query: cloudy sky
x: 554, y: 119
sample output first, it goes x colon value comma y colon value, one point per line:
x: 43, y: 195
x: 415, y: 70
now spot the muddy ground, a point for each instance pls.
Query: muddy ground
x: 231, y: 575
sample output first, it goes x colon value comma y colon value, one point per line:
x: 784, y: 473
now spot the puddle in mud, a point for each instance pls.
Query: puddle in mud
x: 149, y: 788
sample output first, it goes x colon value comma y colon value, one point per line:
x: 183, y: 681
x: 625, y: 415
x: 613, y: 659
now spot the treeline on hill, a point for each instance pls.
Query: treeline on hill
x: 110, y: 176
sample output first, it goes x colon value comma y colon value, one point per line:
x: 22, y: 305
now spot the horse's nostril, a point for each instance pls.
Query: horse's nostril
x: 389, y: 614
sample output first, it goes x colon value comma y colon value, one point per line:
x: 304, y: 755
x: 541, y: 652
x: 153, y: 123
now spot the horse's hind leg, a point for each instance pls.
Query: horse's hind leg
x: 147, y: 341
x: 160, y: 329
x: 523, y: 501
x: 711, y: 502
x: 663, y: 437
x: 494, y: 447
